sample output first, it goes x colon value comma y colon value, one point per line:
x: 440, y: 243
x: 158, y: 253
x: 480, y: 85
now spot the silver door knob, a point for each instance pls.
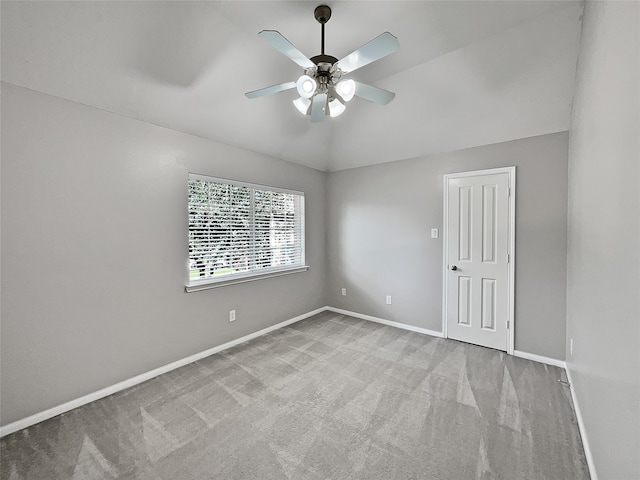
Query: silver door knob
x: 453, y: 267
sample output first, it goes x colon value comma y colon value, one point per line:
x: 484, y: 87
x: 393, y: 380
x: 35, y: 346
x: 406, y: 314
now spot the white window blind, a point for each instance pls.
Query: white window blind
x: 240, y: 230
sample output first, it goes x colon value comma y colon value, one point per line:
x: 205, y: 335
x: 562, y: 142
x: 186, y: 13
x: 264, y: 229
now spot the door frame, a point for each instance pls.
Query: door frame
x: 511, y: 246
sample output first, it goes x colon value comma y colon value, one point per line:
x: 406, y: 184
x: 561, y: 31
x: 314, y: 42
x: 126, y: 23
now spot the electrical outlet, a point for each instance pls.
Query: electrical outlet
x: 344, y: 292
x: 232, y: 315
x: 388, y: 299
x: 571, y: 347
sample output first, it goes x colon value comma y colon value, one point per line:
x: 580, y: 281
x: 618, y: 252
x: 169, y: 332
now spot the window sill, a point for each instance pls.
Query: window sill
x: 207, y: 284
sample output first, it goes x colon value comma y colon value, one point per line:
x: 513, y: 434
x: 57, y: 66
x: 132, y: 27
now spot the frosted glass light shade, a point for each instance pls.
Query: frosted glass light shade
x: 346, y: 89
x: 306, y: 86
x: 302, y: 104
x: 336, y: 107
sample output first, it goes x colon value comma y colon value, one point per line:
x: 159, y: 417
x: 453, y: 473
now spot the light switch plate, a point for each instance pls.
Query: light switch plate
x: 434, y: 233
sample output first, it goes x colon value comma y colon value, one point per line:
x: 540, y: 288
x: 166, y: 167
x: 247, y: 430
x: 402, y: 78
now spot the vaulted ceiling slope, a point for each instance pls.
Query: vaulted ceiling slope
x: 467, y: 73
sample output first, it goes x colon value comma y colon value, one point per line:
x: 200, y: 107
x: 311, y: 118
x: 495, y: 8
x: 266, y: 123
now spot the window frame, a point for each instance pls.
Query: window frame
x: 194, y: 285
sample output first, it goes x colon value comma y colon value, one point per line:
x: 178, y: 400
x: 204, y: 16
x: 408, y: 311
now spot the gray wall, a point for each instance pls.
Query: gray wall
x: 378, y: 237
x: 94, y: 232
x: 603, y: 287
x: 94, y: 246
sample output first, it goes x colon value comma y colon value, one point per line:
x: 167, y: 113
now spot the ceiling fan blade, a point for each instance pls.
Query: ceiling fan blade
x: 374, y: 94
x: 379, y: 47
x: 318, y: 107
x: 283, y: 45
x: 269, y: 90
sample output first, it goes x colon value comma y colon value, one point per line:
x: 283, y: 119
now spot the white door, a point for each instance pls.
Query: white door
x: 478, y: 275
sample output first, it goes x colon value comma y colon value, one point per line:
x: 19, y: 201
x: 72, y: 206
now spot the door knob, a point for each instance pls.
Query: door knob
x: 453, y: 267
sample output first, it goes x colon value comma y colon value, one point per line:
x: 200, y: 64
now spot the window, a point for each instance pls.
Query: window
x: 240, y: 230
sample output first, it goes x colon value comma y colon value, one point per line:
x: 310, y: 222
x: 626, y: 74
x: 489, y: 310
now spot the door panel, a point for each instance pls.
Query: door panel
x: 489, y: 226
x: 464, y: 207
x: 477, y: 300
x: 488, y: 304
x: 464, y: 300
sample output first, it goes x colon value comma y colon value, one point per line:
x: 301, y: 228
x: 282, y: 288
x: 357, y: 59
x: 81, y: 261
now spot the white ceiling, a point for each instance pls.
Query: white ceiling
x: 468, y: 73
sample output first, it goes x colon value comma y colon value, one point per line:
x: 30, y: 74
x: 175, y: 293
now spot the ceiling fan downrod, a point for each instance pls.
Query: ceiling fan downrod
x: 322, y: 13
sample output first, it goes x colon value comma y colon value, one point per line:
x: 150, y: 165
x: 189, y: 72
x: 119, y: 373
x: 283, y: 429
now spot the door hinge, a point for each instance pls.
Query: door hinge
x: 508, y: 258
x: 509, y: 190
x: 508, y: 324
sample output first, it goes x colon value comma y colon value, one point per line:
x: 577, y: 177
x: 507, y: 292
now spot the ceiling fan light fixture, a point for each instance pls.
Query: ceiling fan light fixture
x: 346, y: 89
x: 302, y: 105
x: 306, y: 86
x: 336, y: 108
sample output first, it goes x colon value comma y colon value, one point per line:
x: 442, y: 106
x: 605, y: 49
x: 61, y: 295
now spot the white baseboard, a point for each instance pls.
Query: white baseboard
x: 583, y: 431
x: 92, y: 397
x: 78, y: 402
x: 540, y: 359
x: 433, y: 333
x: 403, y: 326
x: 576, y: 406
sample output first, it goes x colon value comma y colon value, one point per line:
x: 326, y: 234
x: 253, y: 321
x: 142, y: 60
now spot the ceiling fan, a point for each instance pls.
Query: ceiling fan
x: 322, y: 88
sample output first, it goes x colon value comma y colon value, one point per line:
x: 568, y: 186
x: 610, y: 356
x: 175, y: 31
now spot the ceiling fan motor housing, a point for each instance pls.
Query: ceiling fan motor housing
x: 318, y: 59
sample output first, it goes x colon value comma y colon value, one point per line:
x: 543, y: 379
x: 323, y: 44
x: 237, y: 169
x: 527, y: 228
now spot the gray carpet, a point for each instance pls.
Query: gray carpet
x: 331, y: 397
